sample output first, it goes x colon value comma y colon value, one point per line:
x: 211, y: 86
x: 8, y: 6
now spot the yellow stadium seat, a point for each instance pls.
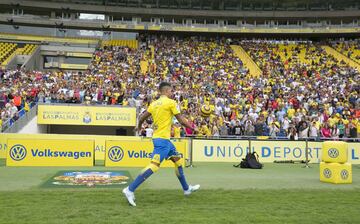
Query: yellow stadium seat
x: 335, y: 152
x: 336, y: 173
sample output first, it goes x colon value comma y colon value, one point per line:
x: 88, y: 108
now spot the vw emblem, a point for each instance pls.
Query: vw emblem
x: 327, y: 173
x: 115, y: 153
x: 344, y: 174
x: 333, y: 153
x: 18, y: 152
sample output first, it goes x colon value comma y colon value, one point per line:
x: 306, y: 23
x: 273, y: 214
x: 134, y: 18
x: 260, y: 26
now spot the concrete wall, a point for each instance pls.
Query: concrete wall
x: 33, y: 128
x: 33, y: 62
x: 45, y: 48
x: 54, y: 32
x: 16, y: 60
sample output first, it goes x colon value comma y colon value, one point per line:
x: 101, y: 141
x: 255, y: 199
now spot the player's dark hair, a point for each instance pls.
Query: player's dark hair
x: 163, y: 85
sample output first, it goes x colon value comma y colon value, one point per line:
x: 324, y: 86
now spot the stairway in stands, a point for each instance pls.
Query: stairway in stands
x: 254, y: 70
x: 341, y: 57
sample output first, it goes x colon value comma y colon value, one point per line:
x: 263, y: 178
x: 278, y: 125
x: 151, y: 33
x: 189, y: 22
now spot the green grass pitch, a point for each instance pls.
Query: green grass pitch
x: 280, y: 193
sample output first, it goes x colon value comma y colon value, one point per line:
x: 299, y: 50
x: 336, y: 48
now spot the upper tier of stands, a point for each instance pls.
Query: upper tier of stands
x: 8, y: 50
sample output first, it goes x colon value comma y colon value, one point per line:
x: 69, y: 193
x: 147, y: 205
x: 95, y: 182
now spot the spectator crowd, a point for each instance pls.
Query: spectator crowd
x: 303, y: 91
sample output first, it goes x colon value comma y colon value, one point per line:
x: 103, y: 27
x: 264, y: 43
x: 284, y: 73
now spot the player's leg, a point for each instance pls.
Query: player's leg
x: 179, y: 171
x: 145, y: 173
x: 160, y: 151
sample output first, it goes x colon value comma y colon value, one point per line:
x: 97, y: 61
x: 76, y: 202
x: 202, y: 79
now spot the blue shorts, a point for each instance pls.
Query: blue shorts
x: 163, y: 149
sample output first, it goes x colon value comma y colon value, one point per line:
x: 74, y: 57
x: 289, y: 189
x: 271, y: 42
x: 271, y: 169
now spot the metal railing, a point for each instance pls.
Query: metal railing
x: 13, y: 125
x: 269, y: 138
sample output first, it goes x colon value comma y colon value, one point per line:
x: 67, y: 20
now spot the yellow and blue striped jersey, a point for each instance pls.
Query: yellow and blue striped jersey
x: 162, y: 111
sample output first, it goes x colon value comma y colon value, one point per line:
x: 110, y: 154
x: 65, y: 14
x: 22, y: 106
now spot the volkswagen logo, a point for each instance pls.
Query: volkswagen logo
x: 115, y: 153
x: 327, y: 173
x: 18, y: 152
x: 344, y: 174
x: 333, y: 153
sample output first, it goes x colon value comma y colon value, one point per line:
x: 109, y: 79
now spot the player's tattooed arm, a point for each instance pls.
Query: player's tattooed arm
x: 142, y: 118
x: 184, y: 122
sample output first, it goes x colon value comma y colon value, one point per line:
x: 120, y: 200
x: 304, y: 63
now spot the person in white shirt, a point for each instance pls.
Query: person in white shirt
x: 5, y: 114
x: 13, y: 110
x: 314, y: 132
x: 149, y: 132
x: 292, y: 133
x: 274, y: 130
x: 227, y: 110
x: 286, y: 123
x: 218, y: 110
x: 304, y: 130
x: 254, y: 116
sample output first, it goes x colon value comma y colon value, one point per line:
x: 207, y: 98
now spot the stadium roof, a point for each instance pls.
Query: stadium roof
x: 258, y: 5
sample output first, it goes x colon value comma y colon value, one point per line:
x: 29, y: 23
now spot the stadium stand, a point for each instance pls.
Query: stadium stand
x: 306, y: 70
x: 6, y: 49
x: 295, y: 89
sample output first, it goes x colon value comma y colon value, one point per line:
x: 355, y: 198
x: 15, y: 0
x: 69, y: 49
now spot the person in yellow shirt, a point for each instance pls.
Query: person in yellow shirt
x: 265, y: 113
x: 205, y: 130
x: 162, y: 111
x: 184, y: 104
x: 332, y: 121
x: 26, y: 107
x: 356, y: 122
x: 207, y: 99
x: 291, y: 112
x: 125, y: 102
x: 221, y: 121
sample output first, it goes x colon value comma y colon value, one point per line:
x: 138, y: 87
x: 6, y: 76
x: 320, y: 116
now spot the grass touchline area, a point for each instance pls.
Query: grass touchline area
x: 205, y: 206
x: 279, y: 193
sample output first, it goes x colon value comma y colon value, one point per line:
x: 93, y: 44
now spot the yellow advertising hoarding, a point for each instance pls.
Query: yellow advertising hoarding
x: 233, y: 152
x: 86, y: 115
x: 3, y: 145
x: 99, y: 146
x: 74, y: 66
x: 219, y: 150
x: 268, y: 151
x: 139, y: 27
x: 118, y: 26
x: 154, y: 27
x: 79, y: 54
x: 136, y: 153
x: 353, y: 151
x: 50, y: 152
